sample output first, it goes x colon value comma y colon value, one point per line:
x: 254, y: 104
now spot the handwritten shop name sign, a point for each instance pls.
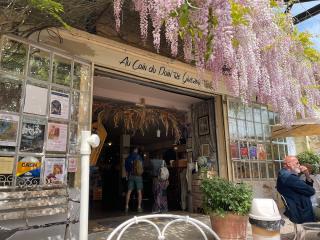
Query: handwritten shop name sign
x: 183, y: 78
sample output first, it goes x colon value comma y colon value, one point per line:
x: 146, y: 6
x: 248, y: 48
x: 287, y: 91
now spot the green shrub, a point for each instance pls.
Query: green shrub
x: 222, y: 196
x: 309, y: 157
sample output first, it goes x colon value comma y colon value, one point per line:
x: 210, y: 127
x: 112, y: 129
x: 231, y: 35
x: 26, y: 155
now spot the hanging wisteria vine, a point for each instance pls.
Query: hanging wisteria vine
x: 250, y: 45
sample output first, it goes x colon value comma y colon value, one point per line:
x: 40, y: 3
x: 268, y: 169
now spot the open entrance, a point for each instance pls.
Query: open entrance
x: 159, y: 123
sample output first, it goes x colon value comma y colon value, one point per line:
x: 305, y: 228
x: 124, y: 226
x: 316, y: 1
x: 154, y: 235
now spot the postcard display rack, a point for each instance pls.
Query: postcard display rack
x: 40, y: 118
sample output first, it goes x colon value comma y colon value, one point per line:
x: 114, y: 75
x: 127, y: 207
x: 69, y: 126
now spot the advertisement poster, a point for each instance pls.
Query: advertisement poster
x: 32, y: 137
x: 32, y: 103
x: 6, y: 165
x: 253, y: 152
x: 244, y: 152
x: 261, y: 152
x: 59, y: 105
x: 234, y: 150
x: 28, y: 170
x: 54, y: 170
x: 72, y: 165
x: 8, y: 129
x: 57, y: 137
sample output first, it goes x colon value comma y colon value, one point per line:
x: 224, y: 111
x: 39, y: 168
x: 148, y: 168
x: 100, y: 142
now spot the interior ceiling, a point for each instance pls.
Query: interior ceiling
x: 106, y: 87
x: 114, y: 91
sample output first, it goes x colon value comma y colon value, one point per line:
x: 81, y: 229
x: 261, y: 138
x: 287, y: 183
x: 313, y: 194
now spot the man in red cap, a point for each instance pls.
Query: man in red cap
x: 295, y: 191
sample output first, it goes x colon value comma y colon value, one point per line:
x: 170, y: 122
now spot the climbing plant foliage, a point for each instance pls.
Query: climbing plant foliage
x: 252, y: 46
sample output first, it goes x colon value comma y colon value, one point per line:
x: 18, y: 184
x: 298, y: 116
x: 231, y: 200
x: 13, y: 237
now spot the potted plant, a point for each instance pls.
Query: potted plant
x: 228, y: 205
x: 310, y: 158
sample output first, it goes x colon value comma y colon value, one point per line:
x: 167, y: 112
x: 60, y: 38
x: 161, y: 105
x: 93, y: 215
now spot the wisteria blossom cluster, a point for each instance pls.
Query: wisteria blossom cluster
x: 241, y: 42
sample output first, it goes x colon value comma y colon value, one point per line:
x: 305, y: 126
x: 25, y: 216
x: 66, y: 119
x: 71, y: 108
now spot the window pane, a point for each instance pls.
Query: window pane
x: 264, y: 115
x: 247, y: 169
x: 81, y: 76
x: 261, y: 152
x: 269, y: 153
x: 250, y: 131
x: 255, y: 170
x: 257, y: 114
x: 259, y: 132
x: 244, y: 153
x: 249, y: 116
x: 263, y: 170
x: 75, y: 106
x: 10, y: 97
x: 61, y: 70
x: 253, y: 151
x: 277, y: 166
x: 232, y: 109
x: 271, y: 170
x: 276, y: 152
x: 267, y: 131
x: 271, y: 118
x: 39, y: 66
x: 242, y: 129
x: 282, y: 151
x: 241, y: 111
x: 276, y: 118
x: 13, y: 56
x: 234, y: 149
x: 233, y: 129
x: 74, y: 139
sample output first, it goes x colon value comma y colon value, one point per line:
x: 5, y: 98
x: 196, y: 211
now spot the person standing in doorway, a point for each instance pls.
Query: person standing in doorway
x: 134, y: 171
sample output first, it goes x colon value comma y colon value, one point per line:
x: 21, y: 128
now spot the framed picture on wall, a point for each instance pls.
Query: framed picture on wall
x: 203, y: 125
x: 205, y: 150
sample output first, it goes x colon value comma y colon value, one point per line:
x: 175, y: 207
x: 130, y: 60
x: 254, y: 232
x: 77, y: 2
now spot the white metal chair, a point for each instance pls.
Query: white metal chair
x: 119, y: 231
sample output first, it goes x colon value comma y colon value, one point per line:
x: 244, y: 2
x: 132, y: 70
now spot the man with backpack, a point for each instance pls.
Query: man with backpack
x: 134, y: 171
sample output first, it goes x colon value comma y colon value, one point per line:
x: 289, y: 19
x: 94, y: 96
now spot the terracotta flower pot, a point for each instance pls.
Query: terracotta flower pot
x: 230, y: 226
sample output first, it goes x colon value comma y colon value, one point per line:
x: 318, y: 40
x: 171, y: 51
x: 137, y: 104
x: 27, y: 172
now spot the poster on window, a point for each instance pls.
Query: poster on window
x: 8, y: 129
x: 59, y: 105
x: 244, y: 151
x: 28, y: 170
x: 261, y: 152
x: 35, y: 100
x: 57, y: 137
x: 32, y: 137
x: 6, y: 165
x: 253, y: 152
x: 234, y: 150
x: 72, y: 165
x: 55, y: 170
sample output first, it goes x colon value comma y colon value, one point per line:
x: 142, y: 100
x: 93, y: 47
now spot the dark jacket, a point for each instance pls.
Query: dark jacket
x: 297, y: 194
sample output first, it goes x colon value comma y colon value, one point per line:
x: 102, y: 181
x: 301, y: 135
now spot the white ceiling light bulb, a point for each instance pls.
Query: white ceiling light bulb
x: 158, y: 133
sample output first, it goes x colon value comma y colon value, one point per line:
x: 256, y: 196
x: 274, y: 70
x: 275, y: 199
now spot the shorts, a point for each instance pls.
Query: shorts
x: 135, y: 182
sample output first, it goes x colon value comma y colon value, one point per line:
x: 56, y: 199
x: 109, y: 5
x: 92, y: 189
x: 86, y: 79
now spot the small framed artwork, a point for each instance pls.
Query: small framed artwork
x: 205, y: 150
x: 203, y: 125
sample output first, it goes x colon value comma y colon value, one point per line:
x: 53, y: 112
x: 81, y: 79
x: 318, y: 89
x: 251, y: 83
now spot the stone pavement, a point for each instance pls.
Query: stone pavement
x: 99, y: 229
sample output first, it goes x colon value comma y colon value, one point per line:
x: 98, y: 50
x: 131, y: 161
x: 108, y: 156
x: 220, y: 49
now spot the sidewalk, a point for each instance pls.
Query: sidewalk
x: 99, y: 229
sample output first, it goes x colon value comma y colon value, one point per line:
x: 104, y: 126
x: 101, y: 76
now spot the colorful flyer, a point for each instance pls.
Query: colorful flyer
x: 72, y: 165
x: 261, y: 152
x: 244, y: 152
x: 35, y: 100
x: 253, y: 152
x: 32, y: 137
x: 59, y: 105
x: 28, y: 170
x: 57, y: 137
x: 9, y: 125
x: 55, y: 170
x: 6, y: 165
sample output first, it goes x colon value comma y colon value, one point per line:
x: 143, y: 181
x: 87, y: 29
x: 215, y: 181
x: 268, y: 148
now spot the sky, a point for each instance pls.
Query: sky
x: 311, y: 25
